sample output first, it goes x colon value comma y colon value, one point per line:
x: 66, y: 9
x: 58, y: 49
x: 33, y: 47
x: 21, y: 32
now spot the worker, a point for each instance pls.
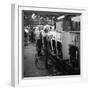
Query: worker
x: 39, y: 45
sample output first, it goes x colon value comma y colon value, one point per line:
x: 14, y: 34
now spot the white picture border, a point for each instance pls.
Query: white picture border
x: 16, y: 63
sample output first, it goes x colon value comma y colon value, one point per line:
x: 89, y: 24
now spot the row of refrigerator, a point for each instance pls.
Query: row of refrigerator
x: 66, y: 48
x: 64, y: 54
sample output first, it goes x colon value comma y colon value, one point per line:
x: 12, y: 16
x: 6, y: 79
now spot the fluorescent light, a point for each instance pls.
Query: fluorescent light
x: 33, y: 16
x: 76, y: 19
x: 61, y: 17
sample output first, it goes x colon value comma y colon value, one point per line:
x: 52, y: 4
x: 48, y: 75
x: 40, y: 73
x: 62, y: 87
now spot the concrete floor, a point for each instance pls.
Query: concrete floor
x: 31, y: 69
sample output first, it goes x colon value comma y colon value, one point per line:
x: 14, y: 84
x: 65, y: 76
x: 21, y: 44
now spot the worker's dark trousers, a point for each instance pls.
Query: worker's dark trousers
x: 46, y: 58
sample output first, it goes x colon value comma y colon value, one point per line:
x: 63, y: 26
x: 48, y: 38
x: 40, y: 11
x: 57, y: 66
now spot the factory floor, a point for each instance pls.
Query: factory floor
x: 30, y: 67
x: 36, y: 68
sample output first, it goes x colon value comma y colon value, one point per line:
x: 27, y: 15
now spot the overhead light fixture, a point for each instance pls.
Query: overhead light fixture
x: 33, y: 16
x: 61, y: 17
x: 76, y: 19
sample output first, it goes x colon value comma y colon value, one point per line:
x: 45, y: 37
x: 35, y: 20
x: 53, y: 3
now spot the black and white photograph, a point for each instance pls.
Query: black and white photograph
x: 50, y: 43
